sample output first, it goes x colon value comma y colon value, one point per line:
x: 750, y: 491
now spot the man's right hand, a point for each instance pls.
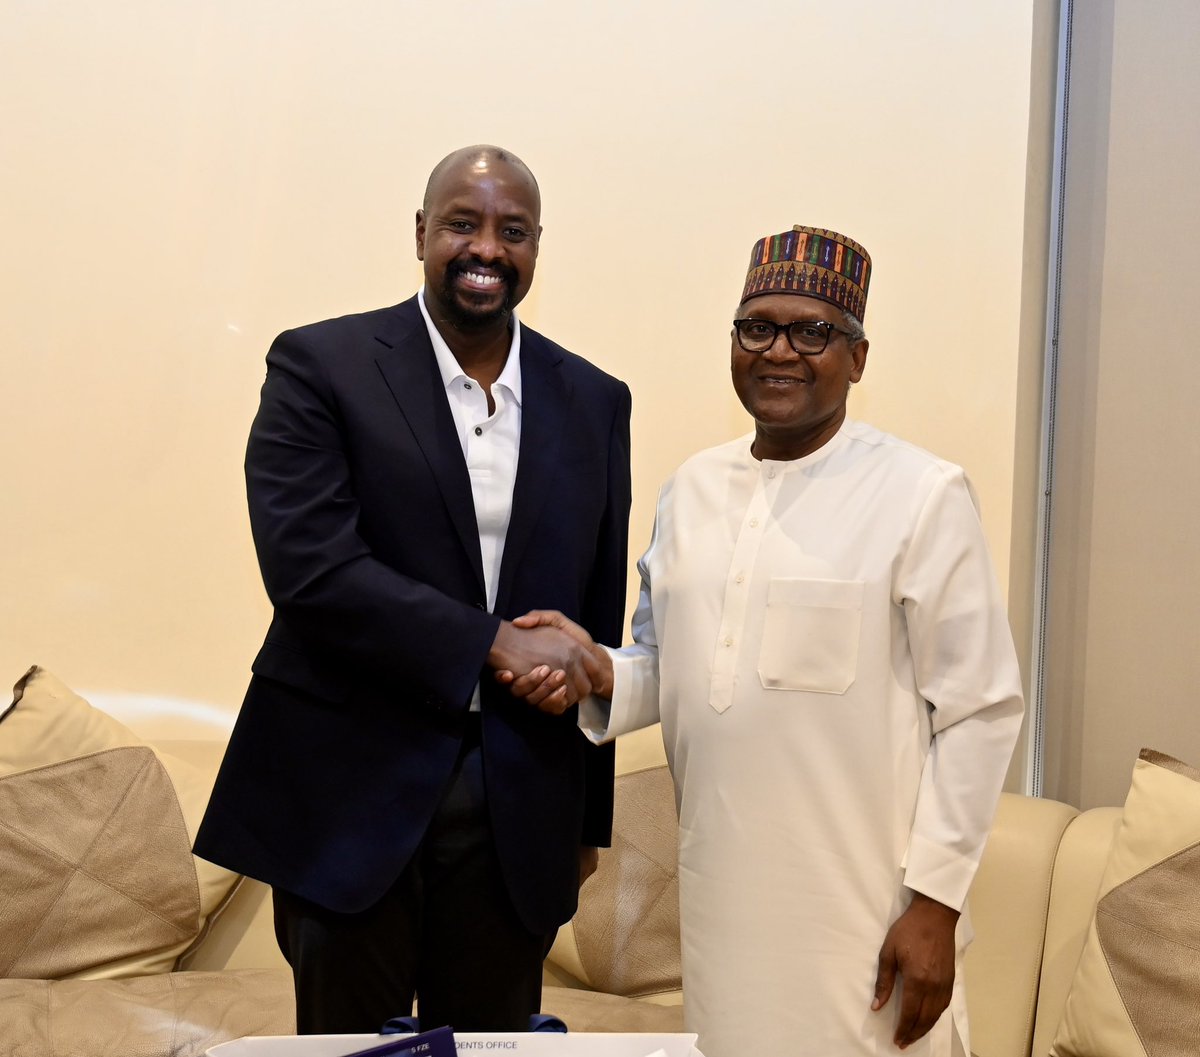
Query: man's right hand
x: 536, y: 651
x: 547, y: 688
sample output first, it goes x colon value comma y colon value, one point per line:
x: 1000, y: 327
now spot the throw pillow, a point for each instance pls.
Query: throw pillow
x: 1135, y: 988
x: 95, y: 866
x: 79, y: 819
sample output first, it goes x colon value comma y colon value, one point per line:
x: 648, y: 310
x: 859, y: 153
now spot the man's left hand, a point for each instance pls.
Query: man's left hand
x: 920, y: 947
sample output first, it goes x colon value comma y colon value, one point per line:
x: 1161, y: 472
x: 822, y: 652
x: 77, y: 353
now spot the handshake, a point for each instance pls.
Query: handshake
x: 549, y: 661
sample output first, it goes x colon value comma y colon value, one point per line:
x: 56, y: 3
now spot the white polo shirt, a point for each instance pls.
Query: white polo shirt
x: 490, y: 445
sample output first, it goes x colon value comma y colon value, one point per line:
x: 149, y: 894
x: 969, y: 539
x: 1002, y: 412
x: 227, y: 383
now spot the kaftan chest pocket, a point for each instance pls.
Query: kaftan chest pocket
x: 810, y: 635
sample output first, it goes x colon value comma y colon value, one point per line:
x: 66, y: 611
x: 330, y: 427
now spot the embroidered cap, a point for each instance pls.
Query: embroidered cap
x: 813, y: 262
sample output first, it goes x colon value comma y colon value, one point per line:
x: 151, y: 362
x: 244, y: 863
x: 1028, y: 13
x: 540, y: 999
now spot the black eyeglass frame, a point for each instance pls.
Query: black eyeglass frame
x: 820, y: 324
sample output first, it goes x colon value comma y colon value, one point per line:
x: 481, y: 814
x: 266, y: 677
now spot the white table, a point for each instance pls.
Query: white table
x: 483, y: 1044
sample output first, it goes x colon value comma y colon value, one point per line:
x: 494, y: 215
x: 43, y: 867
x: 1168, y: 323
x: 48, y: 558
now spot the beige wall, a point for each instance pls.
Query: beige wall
x: 183, y: 180
x: 1122, y: 661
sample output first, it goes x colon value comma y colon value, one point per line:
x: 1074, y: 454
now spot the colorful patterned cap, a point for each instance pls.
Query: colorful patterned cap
x: 813, y: 262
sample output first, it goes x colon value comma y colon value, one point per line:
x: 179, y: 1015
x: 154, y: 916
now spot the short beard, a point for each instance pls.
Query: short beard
x: 464, y: 316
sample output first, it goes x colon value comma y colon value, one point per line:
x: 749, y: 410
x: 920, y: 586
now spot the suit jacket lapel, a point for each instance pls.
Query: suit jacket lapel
x: 545, y: 395
x: 409, y: 368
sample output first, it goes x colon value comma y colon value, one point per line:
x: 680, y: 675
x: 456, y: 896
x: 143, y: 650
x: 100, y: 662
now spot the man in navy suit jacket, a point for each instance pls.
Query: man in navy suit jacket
x: 416, y: 476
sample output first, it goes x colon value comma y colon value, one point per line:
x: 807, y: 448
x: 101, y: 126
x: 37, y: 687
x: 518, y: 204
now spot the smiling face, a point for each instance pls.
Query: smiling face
x: 477, y: 235
x: 797, y: 402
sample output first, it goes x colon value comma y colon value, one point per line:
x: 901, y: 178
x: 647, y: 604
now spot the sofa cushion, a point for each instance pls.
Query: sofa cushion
x: 168, y: 1015
x: 95, y: 861
x: 583, y: 1010
x: 627, y: 926
x: 1136, y: 984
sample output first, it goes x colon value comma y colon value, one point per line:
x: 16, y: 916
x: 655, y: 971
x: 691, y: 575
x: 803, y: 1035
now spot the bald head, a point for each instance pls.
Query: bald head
x: 481, y: 157
x: 477, y: 234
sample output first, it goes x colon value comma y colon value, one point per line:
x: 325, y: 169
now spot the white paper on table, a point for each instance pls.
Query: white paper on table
x: 470, y: 1044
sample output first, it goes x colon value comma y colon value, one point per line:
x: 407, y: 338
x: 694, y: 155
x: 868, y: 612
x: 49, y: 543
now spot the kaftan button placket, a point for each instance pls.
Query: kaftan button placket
x: 733, y: 615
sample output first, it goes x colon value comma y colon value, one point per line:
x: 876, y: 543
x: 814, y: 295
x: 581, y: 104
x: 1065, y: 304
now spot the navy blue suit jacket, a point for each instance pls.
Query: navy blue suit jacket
x: 361, y: 509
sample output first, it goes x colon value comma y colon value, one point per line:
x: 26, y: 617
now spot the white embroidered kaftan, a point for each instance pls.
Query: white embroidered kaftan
x: 827, y: 649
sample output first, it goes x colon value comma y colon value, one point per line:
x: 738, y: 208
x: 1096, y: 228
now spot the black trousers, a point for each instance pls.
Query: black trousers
x: 445, y: 932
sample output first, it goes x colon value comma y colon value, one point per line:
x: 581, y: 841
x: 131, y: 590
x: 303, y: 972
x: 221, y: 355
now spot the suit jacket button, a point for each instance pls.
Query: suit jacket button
x: 481, y: 605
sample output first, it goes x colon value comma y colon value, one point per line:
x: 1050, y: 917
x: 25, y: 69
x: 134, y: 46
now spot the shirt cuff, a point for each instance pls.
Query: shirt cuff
x: 593, y: 718
x: 602, y: 720
x: 936, y: 871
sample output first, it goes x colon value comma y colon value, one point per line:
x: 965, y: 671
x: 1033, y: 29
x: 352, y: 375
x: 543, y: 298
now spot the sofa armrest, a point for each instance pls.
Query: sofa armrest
x: 1078, y: 870
x: 1008, y: 908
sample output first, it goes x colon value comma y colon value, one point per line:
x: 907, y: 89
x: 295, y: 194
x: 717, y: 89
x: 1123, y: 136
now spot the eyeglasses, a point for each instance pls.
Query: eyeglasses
x: 806, y: 336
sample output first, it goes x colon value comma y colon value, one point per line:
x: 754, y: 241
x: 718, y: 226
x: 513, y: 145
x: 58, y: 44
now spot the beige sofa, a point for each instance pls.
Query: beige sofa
x: 614, y: 967
x: 114, y: 938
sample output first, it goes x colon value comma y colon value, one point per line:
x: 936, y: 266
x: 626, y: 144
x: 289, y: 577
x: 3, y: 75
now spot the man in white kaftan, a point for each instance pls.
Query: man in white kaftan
x: 821, y: 634
x: 795, y: 619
